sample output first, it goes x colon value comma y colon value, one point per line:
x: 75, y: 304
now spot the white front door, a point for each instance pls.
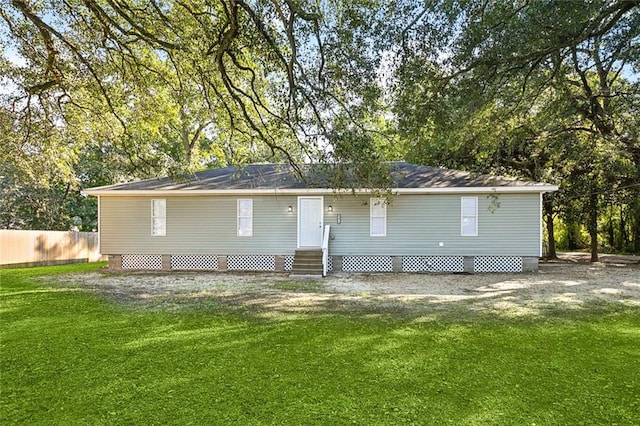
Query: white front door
x: 309, y: 221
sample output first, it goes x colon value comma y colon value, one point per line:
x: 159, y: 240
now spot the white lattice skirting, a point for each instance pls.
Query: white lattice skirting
x: 141, y: 261
x: 288, y: 262
x: 200, y: 262
x: 497, y: 264
x: 251, y: 263
x: 349, y: 263
x: 433, y: 264
x: 367, y: 264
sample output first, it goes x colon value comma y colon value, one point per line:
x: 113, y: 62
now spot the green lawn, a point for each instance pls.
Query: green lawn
x: 70, y: 356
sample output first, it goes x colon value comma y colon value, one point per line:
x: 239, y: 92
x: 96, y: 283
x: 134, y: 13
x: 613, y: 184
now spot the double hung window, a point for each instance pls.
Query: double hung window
x: 245, y: 217
x: 469, y: 223
x: 159, y: 217
x: 378, y: 217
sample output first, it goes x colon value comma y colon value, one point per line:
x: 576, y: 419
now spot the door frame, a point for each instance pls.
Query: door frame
x: 299, y: 218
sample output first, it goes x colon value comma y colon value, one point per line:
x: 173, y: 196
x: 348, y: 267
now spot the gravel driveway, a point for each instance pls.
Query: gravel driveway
x: 556, y: 286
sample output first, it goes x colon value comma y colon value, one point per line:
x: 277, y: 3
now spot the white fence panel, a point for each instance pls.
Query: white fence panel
x: 47, y: 247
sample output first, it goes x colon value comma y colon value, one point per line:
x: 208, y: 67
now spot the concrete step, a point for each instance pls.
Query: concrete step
x: 309, y: 265
x: 308, y: 258
x: 308, y: 251
x: 307, y: 262
x: 308, y: 255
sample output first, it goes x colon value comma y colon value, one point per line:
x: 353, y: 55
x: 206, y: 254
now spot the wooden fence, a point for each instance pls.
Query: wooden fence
x: 31, y: 248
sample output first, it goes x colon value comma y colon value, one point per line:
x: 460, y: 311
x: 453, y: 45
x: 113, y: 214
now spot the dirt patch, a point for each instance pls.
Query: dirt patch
x: 610, y: 259
x: 555, y: 286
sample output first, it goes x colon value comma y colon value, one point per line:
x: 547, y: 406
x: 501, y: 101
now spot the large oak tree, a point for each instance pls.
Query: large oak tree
x: 540, y: 90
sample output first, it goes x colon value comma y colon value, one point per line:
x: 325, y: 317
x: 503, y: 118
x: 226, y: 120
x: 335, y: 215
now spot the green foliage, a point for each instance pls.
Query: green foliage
x: 70, y: 357
x: 536, y: 90
x: 99, y: 92
x: 570, y: 236
x: 95, y: 92
x: 190, y: 84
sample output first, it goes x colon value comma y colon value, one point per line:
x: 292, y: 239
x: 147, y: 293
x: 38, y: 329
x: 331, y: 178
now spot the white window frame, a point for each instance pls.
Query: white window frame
x: 249, y: 232
x: 375, y: 202
x: 155, y: 215
x: 463, y: 217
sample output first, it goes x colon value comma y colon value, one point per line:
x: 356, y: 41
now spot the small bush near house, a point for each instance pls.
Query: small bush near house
x: 69, y: 356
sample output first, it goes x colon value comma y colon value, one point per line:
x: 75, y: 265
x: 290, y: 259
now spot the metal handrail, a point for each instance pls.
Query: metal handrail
x: 325, y: 249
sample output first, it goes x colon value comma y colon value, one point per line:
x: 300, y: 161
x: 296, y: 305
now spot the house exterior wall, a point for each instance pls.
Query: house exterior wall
x: 416, y: 225
x: 197, y: 225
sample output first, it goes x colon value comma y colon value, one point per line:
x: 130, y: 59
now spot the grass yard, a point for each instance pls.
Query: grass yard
x: 72, y: 356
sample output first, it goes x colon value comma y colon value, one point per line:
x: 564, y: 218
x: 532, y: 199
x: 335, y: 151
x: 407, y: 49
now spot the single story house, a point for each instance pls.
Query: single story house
x: 262, y: 217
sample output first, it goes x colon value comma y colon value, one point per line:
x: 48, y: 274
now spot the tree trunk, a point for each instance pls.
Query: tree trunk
x: 636, y: 228
x: 572, y: 236
x: 611, y: 230
x: 593, y: 226
x: 548, y: 214
x: 623, y: 238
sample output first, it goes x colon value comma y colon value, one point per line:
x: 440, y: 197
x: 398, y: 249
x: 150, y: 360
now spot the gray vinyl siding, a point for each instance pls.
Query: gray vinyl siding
x: 197, y: 225
x: 416, y: 224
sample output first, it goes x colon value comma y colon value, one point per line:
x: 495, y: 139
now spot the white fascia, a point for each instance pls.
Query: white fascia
x: 316, y: 191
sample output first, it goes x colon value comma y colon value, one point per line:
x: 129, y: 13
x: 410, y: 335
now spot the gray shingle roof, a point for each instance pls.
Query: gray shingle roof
x: 282, y: 176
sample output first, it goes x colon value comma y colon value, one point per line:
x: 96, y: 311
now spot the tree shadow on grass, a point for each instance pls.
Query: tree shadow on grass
x: 292, y: 358
x: 550, y: 293
x: 278, y: 305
